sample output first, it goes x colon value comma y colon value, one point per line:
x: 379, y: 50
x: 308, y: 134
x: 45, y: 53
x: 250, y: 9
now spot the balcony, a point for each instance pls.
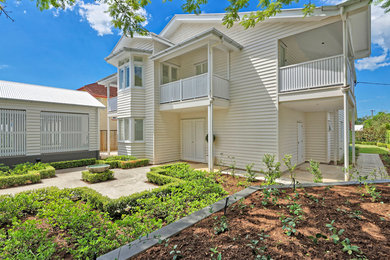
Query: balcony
x: 193, y: 89
x: 315, y: 74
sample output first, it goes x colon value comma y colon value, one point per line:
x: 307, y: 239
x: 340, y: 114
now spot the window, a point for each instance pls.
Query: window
x: 12, y: 132
x: 138, y: 71
x: 124, y: 129
x: 169, y: 73
x: 282, y: 56
x: 127, y: 76
x: 201, y: 68
x: 62, y: 132
x: 138, y: 129
x: 121, y: 72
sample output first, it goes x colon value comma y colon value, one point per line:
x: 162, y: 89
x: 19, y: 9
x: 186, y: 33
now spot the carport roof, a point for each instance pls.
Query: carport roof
x: 28, y: 92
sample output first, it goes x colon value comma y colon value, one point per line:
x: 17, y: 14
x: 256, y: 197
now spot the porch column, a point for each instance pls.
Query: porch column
x: 336, y: 137
x: 210, y: 108
x: 108, y: 122
x: 346, y: 135
x: 353, y: 136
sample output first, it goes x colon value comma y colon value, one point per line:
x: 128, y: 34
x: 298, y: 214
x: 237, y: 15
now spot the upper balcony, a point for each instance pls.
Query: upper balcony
x: 314, y: 60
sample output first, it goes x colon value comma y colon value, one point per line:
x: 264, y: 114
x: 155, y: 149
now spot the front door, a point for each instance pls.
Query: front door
x: 192, y: 139
x: 300, y: 158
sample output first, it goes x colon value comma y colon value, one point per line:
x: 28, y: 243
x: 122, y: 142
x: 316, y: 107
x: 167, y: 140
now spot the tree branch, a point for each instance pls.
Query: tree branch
x: 2, y: 10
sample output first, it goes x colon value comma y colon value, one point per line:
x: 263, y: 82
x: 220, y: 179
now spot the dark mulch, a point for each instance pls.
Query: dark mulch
x: 234, y: 184
x: 366, y: 224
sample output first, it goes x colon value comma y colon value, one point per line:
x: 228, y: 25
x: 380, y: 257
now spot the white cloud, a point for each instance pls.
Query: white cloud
x: 3, y: 66
x: 380, y: 37
x: 97, y: 17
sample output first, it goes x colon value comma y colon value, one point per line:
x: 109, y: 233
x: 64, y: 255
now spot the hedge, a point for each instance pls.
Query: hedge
x: 49, y: 172
x: 97, y: 177
x: 16, y: 180
x: 73, y: 163
x: 134, y: 163
x: 113, y: 163
x: 160, y: 179
x: 381, y: 145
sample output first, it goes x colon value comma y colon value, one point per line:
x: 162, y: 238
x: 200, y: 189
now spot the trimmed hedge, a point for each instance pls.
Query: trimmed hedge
x: 73, y: 163
x: 134, y: 163
x: 113, y: 163
x: 97, y: 177
x: 49, y: 172
x: 160, y: 179
x: 17, y: 180
x: 381, y: 145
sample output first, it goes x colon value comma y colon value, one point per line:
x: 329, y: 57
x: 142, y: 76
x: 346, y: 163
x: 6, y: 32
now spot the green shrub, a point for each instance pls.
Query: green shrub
x: 97, y: 177
x: 314, y: 169
x: 369, y: 143
x: 92, y: 197
x: 73, y: 163
x: 358, y: 142
x: 4, y: 168
x: 121, y: 158
x: 273, y: 169
x: 381, y: 145
x: 134, y: 163
x: 48, y: 172
x: 27, y: 241
x: 160, y: 179
x: 16, y: 180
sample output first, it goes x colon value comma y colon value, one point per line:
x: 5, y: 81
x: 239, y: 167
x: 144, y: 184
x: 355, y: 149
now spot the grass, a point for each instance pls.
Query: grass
x: 372, y: 149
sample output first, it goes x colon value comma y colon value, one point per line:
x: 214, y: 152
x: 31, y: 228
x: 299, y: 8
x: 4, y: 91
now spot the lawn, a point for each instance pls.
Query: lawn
x: 341, y: 222
x: 372, y: 149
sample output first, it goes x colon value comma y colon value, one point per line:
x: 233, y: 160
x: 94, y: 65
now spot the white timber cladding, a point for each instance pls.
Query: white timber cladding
x: 12, y: 132
x: 33, y: 121
x: 248, y: 128
x: 288, y: 132
x: 316, y: 136
x: 64, y: 132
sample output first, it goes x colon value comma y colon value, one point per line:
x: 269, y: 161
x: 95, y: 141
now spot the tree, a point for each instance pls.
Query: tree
x: 375, y: 128
x: 126, y: 14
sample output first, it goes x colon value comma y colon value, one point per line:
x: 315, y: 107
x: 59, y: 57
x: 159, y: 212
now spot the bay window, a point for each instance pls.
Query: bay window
x: 130, y: 129
x: 131, y: 73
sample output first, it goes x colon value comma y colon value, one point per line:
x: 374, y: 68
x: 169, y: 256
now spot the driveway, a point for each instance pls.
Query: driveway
x: 126, y: 182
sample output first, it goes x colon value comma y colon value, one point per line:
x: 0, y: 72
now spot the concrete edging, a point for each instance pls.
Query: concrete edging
x: 137, y: 246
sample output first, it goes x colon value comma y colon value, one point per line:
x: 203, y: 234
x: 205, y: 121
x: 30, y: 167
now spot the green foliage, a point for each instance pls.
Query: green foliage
x: 251, y: 174
x: 335, y: 233
x: 221, y: 225
x: 290, y: 167
x: 348, y: 248
x: 97, y: 177
x: 160, y: 179
x: 134, y: 163
x: 17, y: 180
x: 273, y: 169
x: 314, y: 169
x: 26, y: 241
x: 121, y: 158
x: 73, y: 163
x: 375, y: 128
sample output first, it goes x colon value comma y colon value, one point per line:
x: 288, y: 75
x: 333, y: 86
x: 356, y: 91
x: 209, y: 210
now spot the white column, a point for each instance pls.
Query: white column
x: 353, y: 136
x: 108, y: 122
x: 336, y: 137
x: 346, y: 134
x: 210, y: 108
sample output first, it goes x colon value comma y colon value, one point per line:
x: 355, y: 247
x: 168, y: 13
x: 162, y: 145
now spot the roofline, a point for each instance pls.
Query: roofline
x: 68, y: 104
x: 135, y: 36
x: 107, y: 78
x: 127, y: 49
x: 294, y: 12
x: 161, y: 39
x: 213, y: 31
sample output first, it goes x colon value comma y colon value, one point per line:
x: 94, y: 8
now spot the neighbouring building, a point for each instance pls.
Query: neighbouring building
x: 100, y: 93
x: 285, y: 86
x: 39, y: 123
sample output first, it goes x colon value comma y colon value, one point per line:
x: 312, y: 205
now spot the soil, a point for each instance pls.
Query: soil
x: 366, y: 224
x: 234, y: 184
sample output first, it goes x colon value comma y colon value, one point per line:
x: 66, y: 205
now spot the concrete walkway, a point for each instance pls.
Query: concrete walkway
x: 126, y: 182
x: 371, y: 165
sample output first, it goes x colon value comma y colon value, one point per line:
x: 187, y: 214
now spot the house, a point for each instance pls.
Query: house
x: 39, y: 123
x: 100, y: 93
x: 285, y: 86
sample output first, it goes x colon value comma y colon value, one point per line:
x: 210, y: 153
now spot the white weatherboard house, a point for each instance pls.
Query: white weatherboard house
x: 47, y: 124
x: 285, y: 86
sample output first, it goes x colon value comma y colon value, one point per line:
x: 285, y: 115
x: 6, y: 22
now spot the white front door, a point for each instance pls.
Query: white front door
x: 192, y: 139
x: 300, y: 158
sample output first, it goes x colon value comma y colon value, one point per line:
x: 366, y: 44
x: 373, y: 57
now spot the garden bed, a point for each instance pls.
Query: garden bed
x: 290, y: 225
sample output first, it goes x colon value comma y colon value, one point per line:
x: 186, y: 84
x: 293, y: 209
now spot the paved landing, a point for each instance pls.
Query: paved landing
x: 126, y: 182
x: 371, y: 164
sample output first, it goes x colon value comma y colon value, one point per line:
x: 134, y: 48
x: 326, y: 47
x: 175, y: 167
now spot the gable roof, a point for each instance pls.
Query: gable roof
x: 98, y: 91
x: 28, y: 92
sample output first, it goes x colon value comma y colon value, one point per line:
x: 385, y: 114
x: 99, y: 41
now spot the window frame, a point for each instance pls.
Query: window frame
x: 170, y: 67
x: 203, y: 68
x: 138, y: 64
x: 131, y: 128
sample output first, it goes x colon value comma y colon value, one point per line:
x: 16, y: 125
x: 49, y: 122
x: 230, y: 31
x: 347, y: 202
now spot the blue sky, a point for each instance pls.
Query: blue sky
x: 66, y: 49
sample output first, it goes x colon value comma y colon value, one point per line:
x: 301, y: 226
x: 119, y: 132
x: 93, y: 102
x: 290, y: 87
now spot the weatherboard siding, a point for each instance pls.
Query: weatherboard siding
x: 316, y: 136
x: 33, y: 121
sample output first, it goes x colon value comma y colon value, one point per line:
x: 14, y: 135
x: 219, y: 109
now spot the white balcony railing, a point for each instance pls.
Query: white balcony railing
x: 192, y: 88
x: 312, y: 74
x: 112, y: 104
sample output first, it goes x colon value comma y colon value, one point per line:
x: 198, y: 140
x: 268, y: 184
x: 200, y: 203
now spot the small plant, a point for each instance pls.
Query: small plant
x: 314, y: 169
x: 295, y: 209
x: 371, y: 189
x: 348, y: 248
x: 270, y: 196
x: 273, y: 169
x: 291, y: 168
x: 221, y: 226
x: 175, y: 253
x: 251, y: 173
x: 317, y: 237
x: 216, y: 253
x: 335, y: 233
x: 232, y: 165
x: 289, y: 225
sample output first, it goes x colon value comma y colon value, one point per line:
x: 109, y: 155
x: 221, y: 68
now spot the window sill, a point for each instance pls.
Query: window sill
x: 131, y: 142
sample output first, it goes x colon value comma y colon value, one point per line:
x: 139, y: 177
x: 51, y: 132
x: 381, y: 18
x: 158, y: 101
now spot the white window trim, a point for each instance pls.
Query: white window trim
x: 170, y: 66
x: 131, y: 130
x: 143, y: 130
x: 201, y: 66
x: 139, y: 64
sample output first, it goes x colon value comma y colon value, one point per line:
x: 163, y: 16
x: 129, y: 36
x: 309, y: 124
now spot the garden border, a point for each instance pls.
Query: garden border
x: 137, y: 246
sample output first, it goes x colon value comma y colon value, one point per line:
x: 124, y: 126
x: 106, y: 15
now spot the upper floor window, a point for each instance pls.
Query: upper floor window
x: 169, y: 73
x: 201, y: 68
x: 138, y: 71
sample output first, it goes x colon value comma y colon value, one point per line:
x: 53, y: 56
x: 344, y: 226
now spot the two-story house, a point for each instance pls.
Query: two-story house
x: 285, y: 86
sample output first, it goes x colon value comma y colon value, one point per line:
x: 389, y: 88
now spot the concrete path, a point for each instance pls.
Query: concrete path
x: 371, y: 164
x: 126, y: 182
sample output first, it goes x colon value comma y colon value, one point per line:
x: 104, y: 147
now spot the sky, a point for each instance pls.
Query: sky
x: 66, y: 48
